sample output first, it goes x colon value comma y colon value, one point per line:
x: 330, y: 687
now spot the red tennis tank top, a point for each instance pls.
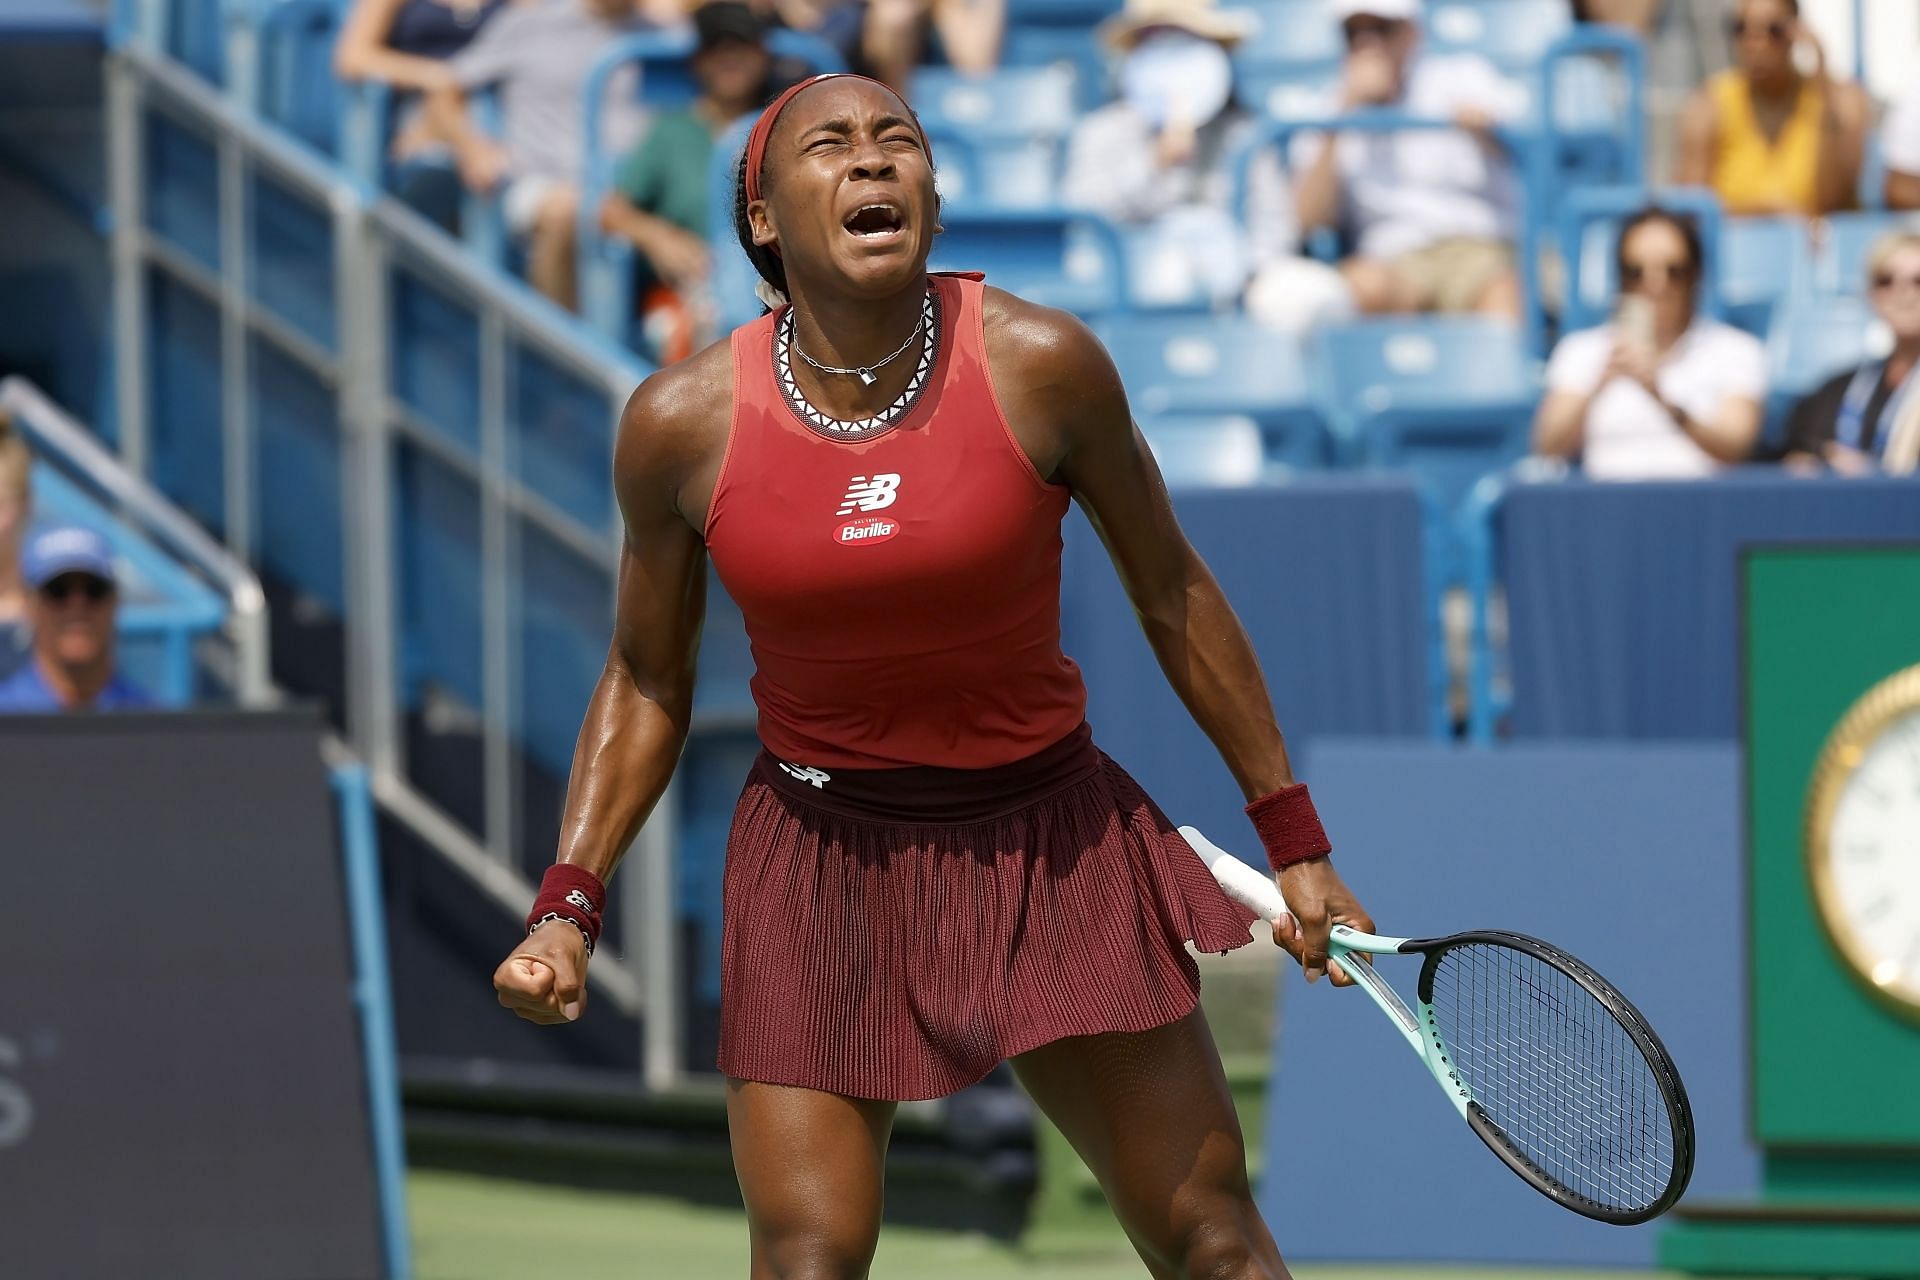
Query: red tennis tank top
x: 901, y: 588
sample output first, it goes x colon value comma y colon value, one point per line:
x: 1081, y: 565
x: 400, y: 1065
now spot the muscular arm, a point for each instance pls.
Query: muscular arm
x: 1062, y: 383
x: 637, y: 719
x: 1059, y: 383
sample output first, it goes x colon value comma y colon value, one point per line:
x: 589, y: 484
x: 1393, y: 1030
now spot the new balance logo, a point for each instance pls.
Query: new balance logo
x: 870, y: 493
x: 575, y: 898
x: 817, y: 778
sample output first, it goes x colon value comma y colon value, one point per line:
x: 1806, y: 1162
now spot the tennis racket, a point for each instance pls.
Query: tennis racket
x: 1555, y: 1070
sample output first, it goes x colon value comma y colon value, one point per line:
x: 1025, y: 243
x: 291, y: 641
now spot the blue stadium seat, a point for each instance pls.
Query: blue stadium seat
x: 1080, y: 14
x: 1811, y: 340
x: 1060, y: 257
x: 1512, y: 34
x: 1287, y: 90
x: 1450, y: 398
x: 1020, y: 116
x: 1290, y: 31
x: 1840, y: 266
x: 1589, y: 95
x: 196, y: 35
x: 296, y: 85
x: 1762, y: 261
x: 1042, y: 33
x: 1183, y: 365
x: 1207, y: 451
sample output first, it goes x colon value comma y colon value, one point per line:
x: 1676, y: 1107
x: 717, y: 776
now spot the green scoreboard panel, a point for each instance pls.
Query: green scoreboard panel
x: 1832, y: 695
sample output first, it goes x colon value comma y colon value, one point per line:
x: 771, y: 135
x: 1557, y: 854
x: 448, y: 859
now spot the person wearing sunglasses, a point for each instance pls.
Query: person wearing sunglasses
x: 1661, y: 393
x: 1867, y: 418
x: 1432, y: 212
x: 75, y: 599
x: 1900, y: 148
x: 1775, y: 134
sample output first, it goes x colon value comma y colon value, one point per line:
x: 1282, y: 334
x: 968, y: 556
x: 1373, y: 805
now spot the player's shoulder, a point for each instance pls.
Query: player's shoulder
x: 677, y: 416
x: 1029, y: 337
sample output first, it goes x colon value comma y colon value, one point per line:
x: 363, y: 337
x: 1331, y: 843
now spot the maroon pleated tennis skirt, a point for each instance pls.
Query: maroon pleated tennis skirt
x: 896, y: 933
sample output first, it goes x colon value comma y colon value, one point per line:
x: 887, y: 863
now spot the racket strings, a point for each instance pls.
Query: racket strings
x: 1557, y: 1072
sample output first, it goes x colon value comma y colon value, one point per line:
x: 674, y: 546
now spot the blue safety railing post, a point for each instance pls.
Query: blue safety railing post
x: 360, y: 859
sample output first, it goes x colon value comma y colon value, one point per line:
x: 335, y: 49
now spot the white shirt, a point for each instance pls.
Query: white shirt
x: 1900, y: 135
x: 1629, y: 436
x: 1405, y: 191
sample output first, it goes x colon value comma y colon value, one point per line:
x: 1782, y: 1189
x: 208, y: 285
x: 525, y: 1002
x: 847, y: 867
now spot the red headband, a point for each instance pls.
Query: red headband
x: 763, y: 127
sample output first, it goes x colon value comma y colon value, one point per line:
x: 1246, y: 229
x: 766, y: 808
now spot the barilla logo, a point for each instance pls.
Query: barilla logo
x: 866, y: 529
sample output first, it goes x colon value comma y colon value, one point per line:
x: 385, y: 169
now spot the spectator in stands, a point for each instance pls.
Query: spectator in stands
x: 537, y: 54
x: 1768, y: 137
x: 1640, y: 15
x: 1158, y: 158
x: 16, y: 508
x: 1662, y: 393
x: 405, y: 44
x: 1431, y: 212
x: 73, y: 608
x: 894, y: 35
x: 1900, y: 148
x: 659, y: 200
x: 1869, y: 418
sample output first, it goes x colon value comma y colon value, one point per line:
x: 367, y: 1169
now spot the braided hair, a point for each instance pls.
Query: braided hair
x: 764, y: 259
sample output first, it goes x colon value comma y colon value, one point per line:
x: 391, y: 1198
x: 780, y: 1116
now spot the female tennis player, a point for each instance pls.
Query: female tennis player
x: 932, y: 868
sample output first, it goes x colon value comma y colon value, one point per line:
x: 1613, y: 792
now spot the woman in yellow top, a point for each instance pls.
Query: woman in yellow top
x: 1768, y: 138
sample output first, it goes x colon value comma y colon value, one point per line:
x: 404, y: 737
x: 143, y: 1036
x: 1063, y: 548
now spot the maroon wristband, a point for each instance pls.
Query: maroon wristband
x: 1288, y: 827
x: 569, y: 893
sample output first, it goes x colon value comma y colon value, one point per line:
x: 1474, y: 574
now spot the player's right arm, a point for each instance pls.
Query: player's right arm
x: 636, y: 722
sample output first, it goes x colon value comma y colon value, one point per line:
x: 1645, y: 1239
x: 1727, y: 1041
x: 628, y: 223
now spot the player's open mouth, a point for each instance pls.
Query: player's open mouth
x: 875, y: 221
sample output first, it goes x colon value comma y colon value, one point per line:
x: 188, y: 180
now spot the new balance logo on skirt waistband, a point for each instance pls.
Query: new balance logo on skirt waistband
x: 817, y: 778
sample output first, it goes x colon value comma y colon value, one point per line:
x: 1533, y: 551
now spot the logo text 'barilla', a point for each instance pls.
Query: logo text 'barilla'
x: 866, y: 529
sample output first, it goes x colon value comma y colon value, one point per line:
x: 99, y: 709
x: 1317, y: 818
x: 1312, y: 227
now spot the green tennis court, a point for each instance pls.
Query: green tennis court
x: 477, y: 1228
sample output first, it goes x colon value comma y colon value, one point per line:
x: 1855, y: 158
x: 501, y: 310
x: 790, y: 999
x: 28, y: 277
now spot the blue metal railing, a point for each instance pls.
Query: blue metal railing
x: 373, y: 997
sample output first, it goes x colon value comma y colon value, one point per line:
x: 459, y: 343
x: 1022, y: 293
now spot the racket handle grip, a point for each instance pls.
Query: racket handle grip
x: 1252, y: 889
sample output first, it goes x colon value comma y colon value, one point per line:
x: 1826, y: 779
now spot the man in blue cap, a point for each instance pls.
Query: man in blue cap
x: 72, y: 611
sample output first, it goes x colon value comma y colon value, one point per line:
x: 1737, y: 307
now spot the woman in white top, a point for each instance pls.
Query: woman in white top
x: 1662, y: 393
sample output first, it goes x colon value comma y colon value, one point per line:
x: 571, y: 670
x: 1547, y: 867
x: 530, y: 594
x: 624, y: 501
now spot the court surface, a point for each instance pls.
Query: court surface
x: 473, y: 1228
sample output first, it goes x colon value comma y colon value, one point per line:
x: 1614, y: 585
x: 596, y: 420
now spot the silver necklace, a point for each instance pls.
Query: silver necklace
x: 862, y: 428
x: 865, y: 374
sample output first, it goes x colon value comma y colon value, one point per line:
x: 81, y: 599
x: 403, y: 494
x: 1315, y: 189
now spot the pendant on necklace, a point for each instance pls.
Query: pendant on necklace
x: 866, y: 377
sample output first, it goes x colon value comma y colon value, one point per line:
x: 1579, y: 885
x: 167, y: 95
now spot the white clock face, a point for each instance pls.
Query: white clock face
x: 1873, y: 859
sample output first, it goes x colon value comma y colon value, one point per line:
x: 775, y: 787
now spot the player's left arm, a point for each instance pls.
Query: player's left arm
x: 1067, y: 396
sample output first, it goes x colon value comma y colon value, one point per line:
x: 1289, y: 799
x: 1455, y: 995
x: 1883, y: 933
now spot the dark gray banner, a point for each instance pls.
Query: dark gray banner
x: 182, y: 1094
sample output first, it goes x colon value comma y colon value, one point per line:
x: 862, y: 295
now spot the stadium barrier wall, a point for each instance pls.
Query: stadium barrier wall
x: 208, y: 1088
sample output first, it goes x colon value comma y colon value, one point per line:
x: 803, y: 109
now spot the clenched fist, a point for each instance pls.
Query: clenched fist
x: 545, y: 979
